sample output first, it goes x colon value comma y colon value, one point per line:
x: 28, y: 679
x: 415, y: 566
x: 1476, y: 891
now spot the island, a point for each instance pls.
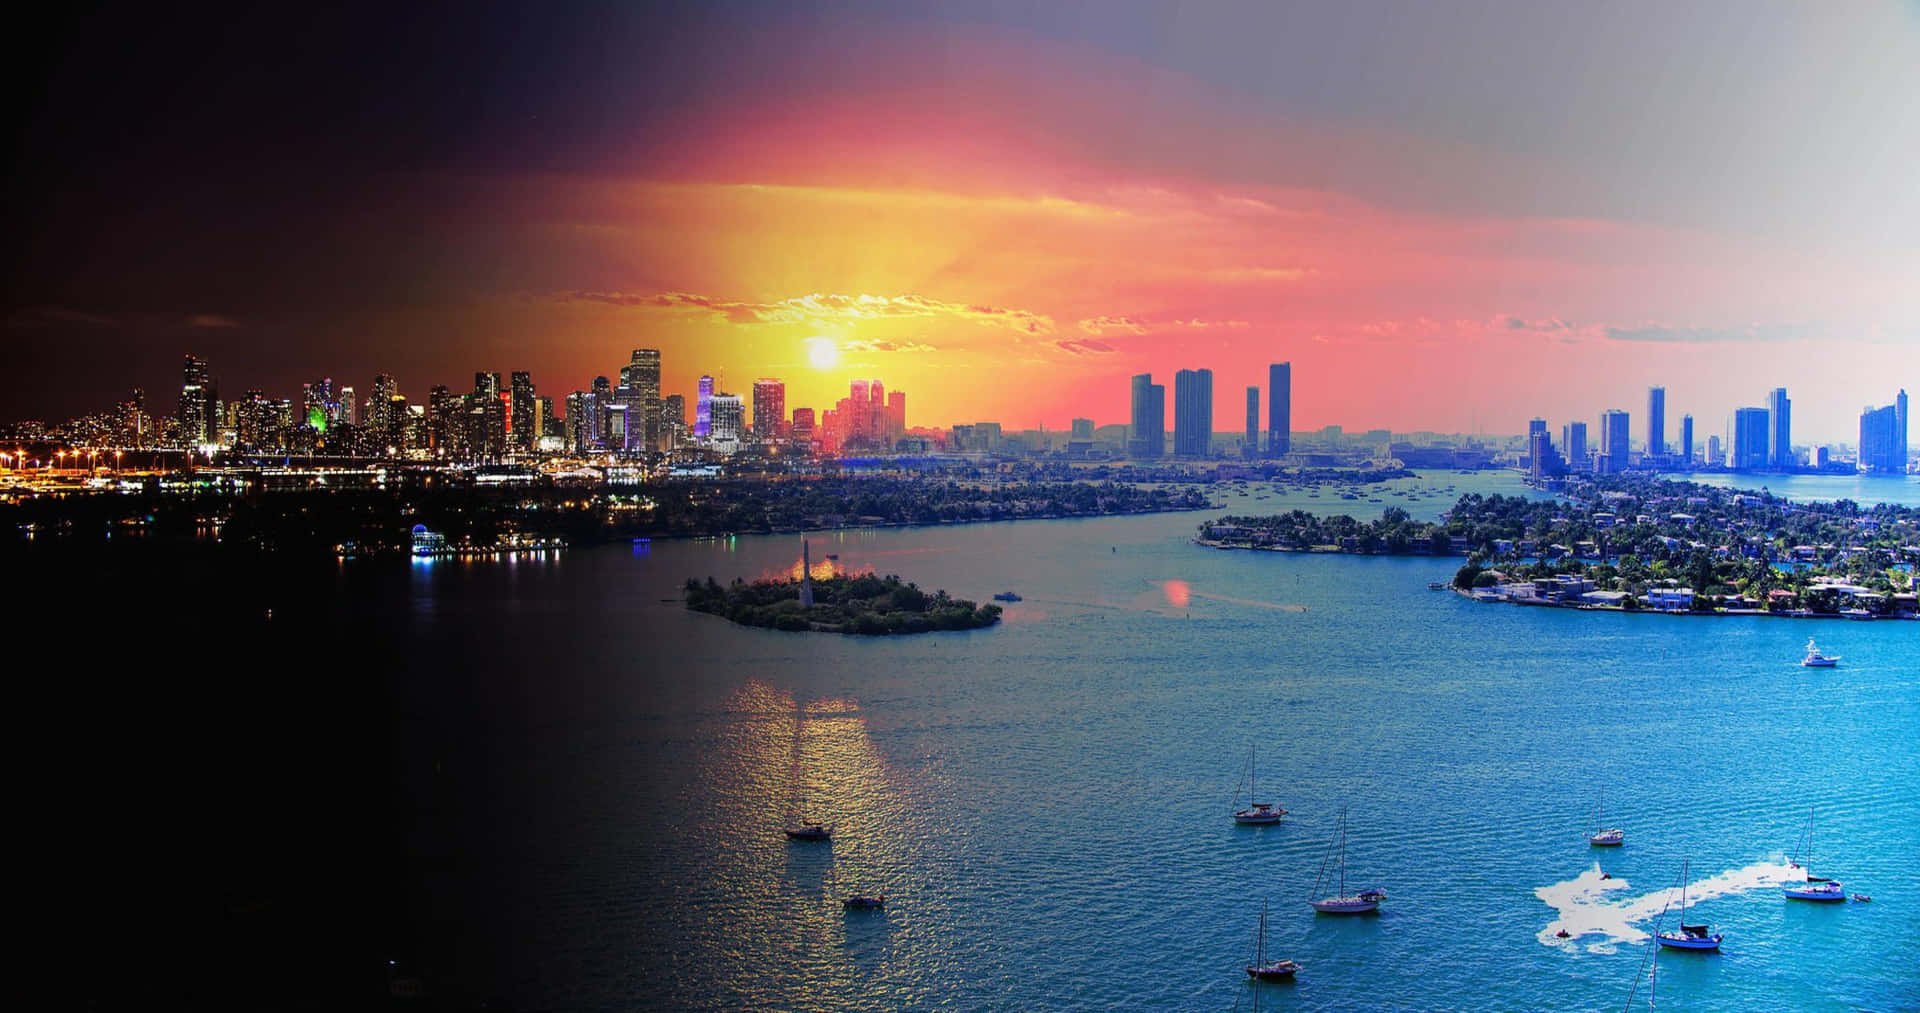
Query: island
x: 1634, y: 543
x: 865, y: 605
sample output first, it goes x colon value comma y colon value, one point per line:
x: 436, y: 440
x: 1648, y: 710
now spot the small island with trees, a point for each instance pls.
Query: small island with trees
x: 865, y: 605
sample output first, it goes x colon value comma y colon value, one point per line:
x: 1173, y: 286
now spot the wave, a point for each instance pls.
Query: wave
x: 1585, y: 907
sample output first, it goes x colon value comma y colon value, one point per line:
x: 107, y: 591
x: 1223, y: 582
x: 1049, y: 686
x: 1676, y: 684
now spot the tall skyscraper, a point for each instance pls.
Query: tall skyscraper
x: 1573, y: 442
x: 727, y: 422
x: 641, y: 377
x: 673, y: 421
x: 1251, y: 447
x: 1279, y: 409
x: 1883, y: 440
x: 600, y: 396
x: 1656, y: 423
x: 1751, y: 437
x: 896, y: 416
x: 769, y: 408
x: 1193, y: 412
x: 803, y: 425
x: 1780, y: 431
x: 1148, y: 436
x: 195, y: 411
x: 1612, y: 458
x: 703, y: 408
x: 522, y: 427
x: 1686, y: 442
x: 1541, y: 461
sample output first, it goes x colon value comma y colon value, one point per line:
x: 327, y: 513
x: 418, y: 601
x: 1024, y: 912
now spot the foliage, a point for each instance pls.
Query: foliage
x: 865, y: 604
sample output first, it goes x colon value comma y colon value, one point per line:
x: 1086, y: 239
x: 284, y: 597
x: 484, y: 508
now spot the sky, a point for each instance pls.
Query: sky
x: 1449, y: 217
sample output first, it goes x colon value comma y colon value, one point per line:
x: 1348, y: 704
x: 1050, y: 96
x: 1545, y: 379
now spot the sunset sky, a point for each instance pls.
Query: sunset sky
x: 1448, y: 216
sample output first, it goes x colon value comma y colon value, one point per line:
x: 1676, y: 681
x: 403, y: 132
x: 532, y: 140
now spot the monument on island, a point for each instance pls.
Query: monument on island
x: 806, y: 576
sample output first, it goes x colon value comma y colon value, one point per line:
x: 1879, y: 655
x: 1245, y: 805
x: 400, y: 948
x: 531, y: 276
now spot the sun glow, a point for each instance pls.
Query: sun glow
x: 823, y: 353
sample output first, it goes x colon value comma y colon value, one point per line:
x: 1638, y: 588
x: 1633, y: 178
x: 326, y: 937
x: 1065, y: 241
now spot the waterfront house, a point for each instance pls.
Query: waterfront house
x: 1670, y: 599
x: 1604, y: 598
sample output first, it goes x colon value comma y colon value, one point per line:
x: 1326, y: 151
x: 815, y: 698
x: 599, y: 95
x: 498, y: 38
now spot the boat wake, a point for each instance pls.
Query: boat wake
x: 1276, y: 606
x: 1586, y: 909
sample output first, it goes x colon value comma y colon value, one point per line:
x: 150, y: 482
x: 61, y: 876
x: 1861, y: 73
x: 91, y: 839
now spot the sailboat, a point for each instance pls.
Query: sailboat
x: 1341, y: 903
x: 1605, y: 837
x: 1263, y: 969
x: 1688, y: 937
x: 1256, y: 813
x: 1813, y: 887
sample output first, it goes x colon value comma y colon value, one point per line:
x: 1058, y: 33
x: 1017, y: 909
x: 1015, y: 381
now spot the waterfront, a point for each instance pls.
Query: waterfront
x: 1862, y: 489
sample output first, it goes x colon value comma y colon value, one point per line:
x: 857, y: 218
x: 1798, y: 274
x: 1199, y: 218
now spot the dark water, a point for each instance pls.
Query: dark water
x: 544, y: 785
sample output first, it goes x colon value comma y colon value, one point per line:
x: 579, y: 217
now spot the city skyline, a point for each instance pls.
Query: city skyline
x: 952, y: 200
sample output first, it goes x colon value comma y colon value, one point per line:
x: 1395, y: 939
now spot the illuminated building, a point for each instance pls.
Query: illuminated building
x: 769, y: 408
x: 728, y: 422
x: 522, y: 426
x: 703, y: 408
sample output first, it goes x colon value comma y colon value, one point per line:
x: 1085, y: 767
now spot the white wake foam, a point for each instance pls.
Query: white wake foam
x: 1585, y: 909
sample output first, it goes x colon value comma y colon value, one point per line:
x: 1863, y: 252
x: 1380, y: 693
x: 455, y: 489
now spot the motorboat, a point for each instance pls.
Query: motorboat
x: 810, y: 832
x: 865, y: 902
x: 1815, y: 659
x: 1006, y: 596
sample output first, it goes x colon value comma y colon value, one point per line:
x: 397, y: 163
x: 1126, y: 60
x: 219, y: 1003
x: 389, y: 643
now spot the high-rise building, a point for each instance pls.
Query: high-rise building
x: 578, y: 432
x: 1612, y: 458
x: 348, y: 411
x: 896, y: 416
x: 1279, y: 409
x: 802, y: 431
x: 1573, y: 442
x: 522, y: 426
x: 1251, y: 447
x: 640, y: 381
x: 1147, y: 438
x: 1656, y: 423
x: 703, y: 409
x: 769, y: 408
x: 1780, y: 430
x: 601, y: 395
x: 1541, y: 461
x: 1883, y: 441
x: 673, y: 420
x: 1193, y: 412
x: 727, y: 422
x: 1082, y: 431
x: 1751, y: 437
x: 1686, y: 442
x: 1714, y: 458
x: 195, y: 411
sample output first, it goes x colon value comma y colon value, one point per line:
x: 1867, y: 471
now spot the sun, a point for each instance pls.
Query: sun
x: 823, y: 353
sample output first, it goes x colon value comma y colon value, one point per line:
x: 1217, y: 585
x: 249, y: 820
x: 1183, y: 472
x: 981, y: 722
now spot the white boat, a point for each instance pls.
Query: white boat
x: 1856, y: 613
x: 1263, y: 969
x: 1341, y: 902
x: 1604, y: 837
x: 1815, y: 659
x: 1256, y: 814
x: 1688, y: 937
x: 1810, y: 886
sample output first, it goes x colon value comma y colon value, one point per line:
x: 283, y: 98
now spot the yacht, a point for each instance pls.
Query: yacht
x: 1256, y: 814
x: 1341, y: 903
x: 1612, y: 837
x: 1688, y: 937
x: 1263, y: 969
x: 1815, y: 659
x: 810, y: 832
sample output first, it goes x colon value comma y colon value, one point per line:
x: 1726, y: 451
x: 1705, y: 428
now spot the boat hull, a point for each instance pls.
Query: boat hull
x: 1277, y: 971
x: 1345, y: 906
x: 1608, y: 839
x: 1258, y: 817
x: 1820, y: 662
x: 1690, y: 943
x: 1825, y: 894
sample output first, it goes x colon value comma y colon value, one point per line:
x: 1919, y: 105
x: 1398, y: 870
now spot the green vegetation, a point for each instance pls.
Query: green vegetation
x: 865, y: 605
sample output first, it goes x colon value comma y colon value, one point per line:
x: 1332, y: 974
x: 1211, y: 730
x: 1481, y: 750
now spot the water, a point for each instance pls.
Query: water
x: 591, y: 785
x: 1865, y: 490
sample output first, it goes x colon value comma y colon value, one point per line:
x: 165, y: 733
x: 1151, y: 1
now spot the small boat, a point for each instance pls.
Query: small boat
x: 1006, y: 596
x: 1256, y: 814
x: 810, y: 832
x: 1688, y: 937
x: 1342, y: 903
x: 1856, y: 613
x: 1861, y: 898
x: 1263, y: 969
x: 1815, y: 659
x: 1815, y: 888
x: 865, y: 902
x: 1437, y: 585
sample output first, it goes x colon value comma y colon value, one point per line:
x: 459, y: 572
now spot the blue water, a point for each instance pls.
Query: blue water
x: 1865, y: 490
x: 596, y: 781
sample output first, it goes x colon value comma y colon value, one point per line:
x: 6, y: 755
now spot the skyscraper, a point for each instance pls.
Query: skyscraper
x: 1780, y: 430
x: 896, y: 415
x: 1573, y: 442
x: 1193, y: 412
x: 521, y: 425
x: 1751, y: 437
x: 673, y: 421
x: 1686, y: 442
x: 600, y: 396
x: 1148, y: 436
x: 196, y: 402
x: 1251, y: 447
x: 1883, y: 440
x: 727, y: 422
x: 641, y: 377
x: 703, y: 408
x: 1656, y: 423
x: 1279, y: 409
x: 1541, y: 461
x: 1082, y: 431
x: 1612, y: 458
x: 1901, y: 446
x: 769, y: 408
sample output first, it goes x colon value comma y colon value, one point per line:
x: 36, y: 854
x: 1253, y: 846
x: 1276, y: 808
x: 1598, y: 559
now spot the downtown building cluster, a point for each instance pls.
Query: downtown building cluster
x: 499, y: 418
x: 1758, y: 438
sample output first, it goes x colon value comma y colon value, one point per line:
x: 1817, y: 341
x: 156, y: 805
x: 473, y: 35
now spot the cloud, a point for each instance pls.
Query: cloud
x: 1079, y: 347
x: 1143, y: 325
x: 211, y: 320
x: 1750, y: 333
x: 830, y: 308
x: 41, y: 316
x: 883, y: 345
